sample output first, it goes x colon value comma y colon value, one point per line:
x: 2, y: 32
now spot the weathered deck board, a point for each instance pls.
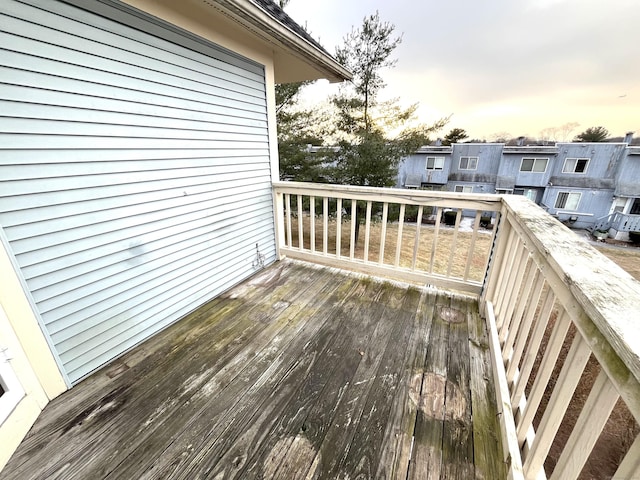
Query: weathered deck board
x: 304, y: 363
x: 486, y: 426
x: 362, y: 456
x: 254, y: 372
x: 398, y: 441
x: 301, y: 372
x: 457, y: 440
x: 426, y: 458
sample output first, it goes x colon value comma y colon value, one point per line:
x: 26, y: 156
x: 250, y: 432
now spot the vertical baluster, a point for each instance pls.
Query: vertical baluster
x: 512, y: 327
x: 630, y: 465
x: 554, y: 413
x: 454, y: 241
x: 517, y: 278
x: 416, y: 242
x: 593, y: 417
x: 542, y: 375
x: 501, y: 257
x: 519, y: 342
x: 287, y: 205
x: 312, y: 223
x: 325, y: 221
x: 383, y: 231
x: 399, y: 239
x: 532, y: 349
x: 495, y: 257
x: 509, y: 271
x: 512, y: 285
x: 367, y: 232
x: 338, y: 226
x: 472, y: 245
x: 278, y: 206
x: 434, y: 243
x: 352, y: 245
x: 300, y: 224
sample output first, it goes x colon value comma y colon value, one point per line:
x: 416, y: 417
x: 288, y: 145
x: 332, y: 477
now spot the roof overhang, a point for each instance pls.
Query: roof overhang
x: 296, y: 58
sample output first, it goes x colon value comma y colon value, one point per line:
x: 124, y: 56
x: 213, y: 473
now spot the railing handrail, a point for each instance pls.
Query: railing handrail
x: 487, y: 202
x: 421, y: 267
x: 606, y: 292
x: 540, y: 279
x: 543, y: 280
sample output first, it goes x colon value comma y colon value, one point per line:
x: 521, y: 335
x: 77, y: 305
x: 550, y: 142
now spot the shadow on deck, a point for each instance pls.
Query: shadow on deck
x: 300, y: 372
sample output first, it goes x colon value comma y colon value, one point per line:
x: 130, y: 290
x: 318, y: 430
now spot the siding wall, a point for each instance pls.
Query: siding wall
x: 135, y: 175
x: 416, y: 165
x: 628, y: 175
x: 593, y: 205
x: 489, y: 156
x: 612, y: 174
x: 510, y: 168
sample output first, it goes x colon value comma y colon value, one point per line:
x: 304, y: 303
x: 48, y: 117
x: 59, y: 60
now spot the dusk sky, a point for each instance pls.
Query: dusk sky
x: 502, y: 66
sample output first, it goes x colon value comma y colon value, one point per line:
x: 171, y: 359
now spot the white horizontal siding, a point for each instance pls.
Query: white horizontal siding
x: 36, y: 262
x: 164, y: 187
x: 58, y: 294
x: 161, y: 315
x: 220, y: 177
x: 86, y: 28
x: 76, y: 30
x: 186, y: 277
x: 50, y: 287
x: 35, y: 88
x: 134, y: 174
x: 50, y: 114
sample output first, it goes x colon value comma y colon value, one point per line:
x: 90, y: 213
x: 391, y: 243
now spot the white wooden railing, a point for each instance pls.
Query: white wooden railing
x: 622, y: 222
x: 562, y: 318
x: 565, y: 325
x: 402, y: 233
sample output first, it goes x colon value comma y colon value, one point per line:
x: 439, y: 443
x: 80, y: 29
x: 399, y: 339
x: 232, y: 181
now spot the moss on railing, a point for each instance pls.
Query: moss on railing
x: 602, y: 302
x: 607, y: 293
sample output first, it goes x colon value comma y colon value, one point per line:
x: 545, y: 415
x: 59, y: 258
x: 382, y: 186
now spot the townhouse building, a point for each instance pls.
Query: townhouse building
x: 584, y: 185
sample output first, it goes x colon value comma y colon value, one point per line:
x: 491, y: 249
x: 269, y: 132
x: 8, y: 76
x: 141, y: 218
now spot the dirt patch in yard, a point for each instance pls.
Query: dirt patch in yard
x: 626, y: 256
x: 618, y: 433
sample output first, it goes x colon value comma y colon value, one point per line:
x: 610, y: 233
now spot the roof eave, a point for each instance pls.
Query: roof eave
x: 270, y: 29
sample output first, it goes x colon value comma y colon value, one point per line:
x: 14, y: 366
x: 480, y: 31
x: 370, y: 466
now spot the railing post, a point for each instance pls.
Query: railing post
x: 278, y: 214
x: 495, y: 262
x: 414, y: 264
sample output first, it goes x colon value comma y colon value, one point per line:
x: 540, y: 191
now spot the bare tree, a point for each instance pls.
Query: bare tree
x: 566, y: 130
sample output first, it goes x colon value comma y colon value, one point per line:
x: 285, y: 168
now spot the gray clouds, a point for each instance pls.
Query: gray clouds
x: 569, y: 58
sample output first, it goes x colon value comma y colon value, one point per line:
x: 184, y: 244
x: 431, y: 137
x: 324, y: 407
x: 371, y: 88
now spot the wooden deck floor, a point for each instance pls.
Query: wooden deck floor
x: 301, y: 372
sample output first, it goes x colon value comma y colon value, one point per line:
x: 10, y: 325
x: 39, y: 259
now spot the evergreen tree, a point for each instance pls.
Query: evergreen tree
x: 454, y: 136
x: 295, y: 134
x: 373, y: 136
x: 593, y: 134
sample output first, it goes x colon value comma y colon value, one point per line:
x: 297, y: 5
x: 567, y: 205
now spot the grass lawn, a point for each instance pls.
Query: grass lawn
x: 454, y: 254
x: 445, y: 259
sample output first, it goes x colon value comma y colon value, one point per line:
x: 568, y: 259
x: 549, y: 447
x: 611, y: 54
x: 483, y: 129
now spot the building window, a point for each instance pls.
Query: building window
x: 575, y: 165
x: 468, y: 163
x: 463, y: 189
x: 535, y: 165
x: 504, y: 191
x: 568, y: 200
x: 435, y: 163
x: 635, y: 207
